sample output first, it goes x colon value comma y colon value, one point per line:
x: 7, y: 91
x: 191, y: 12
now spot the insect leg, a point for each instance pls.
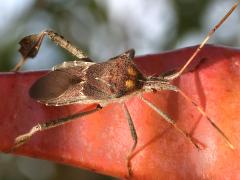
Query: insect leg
x: 134, y: 136
x: 65, y: 44
x: 196, y: 52
x: 22, y: 139
x: 170, y: 120
x: 206, y: 116
x: 30, y: 46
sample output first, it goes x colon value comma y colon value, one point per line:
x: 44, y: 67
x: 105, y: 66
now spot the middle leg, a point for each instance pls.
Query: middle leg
x: 134, y: 137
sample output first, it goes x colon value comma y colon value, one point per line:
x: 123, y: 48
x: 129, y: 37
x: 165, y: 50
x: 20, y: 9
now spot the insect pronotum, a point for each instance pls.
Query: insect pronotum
x: 86, y: 82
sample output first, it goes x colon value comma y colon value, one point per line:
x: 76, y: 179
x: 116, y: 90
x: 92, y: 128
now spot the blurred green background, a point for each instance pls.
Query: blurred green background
x: 103, y: 28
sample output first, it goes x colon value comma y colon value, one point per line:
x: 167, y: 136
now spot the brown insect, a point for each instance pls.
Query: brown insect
x: 86, y: 82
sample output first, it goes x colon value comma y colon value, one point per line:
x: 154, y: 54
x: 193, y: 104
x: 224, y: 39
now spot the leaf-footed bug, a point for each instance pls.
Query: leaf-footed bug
x: 86, y: 82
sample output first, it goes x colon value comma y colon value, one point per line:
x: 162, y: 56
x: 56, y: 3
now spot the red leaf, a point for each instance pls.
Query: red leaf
x: 101, y: 141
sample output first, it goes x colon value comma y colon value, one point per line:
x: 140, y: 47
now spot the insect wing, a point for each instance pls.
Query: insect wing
x: 62, y: 86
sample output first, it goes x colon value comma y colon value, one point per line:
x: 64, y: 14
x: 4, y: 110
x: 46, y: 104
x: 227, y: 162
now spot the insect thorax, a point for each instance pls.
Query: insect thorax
x: 112, y: 79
